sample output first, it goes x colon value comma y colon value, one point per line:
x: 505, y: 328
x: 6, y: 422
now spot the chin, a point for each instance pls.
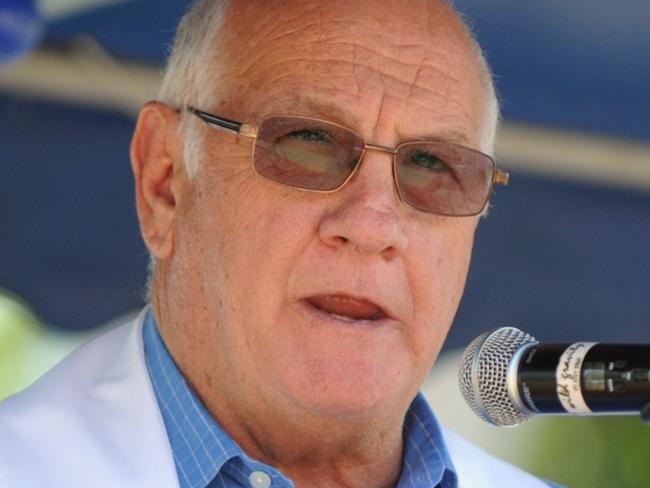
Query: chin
x: 349, y: 393
x: 341, y: 407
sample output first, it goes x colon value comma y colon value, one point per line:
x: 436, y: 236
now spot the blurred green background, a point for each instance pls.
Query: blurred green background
x: 27, y: 347
x: 593, y: 452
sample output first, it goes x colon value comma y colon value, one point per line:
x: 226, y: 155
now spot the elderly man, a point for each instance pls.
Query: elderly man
x: 308, y: 186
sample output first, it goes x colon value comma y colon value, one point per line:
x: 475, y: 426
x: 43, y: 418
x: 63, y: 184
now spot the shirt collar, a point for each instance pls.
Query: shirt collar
x: 426, y: 459
x: 202, y: 450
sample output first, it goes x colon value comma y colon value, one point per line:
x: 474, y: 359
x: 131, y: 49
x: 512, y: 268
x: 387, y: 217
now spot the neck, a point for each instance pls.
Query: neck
x: 322, y: 452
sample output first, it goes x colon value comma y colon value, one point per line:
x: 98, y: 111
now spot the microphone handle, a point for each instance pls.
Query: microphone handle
x: 584, y: 378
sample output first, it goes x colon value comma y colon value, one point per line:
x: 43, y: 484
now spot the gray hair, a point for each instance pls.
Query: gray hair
x: 189, y: 77
x: 492, y: 109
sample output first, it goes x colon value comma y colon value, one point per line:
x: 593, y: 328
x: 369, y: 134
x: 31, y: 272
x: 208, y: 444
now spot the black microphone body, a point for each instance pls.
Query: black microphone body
x: 583, y: 378
x: 507, y: 377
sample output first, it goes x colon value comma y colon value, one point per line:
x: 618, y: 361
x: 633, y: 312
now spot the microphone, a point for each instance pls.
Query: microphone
x: 506, y: 377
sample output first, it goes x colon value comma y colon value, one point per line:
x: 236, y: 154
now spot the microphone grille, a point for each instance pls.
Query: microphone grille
x: 483, y: 375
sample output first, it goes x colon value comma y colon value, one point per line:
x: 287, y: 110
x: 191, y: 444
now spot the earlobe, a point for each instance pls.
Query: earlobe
x: 156, y: 155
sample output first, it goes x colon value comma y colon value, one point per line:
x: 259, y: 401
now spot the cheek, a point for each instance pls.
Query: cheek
x: 438, y: 281
x: 258, y: 231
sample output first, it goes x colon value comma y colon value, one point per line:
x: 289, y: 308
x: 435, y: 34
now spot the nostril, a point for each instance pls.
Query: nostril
x: 389, y: 253
x: 336, y: 241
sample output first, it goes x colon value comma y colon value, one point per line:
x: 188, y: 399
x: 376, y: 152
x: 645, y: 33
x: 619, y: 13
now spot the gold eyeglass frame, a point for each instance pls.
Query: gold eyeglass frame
x: 499, y: 177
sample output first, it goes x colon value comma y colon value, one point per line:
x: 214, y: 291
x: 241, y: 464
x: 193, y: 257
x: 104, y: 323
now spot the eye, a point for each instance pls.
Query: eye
x: 309, y: 135
x: 427, y: 160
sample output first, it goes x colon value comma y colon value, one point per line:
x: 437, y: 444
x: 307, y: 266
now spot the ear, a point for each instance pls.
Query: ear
x: 156, y: 159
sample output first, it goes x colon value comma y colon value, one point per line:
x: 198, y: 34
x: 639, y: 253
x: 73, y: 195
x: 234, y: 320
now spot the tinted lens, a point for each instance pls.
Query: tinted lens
x: 443, y: 178
x: 306, y: 153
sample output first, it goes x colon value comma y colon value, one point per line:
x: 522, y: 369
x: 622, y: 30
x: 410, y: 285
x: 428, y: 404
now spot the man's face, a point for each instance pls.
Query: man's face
x: 276, y: 287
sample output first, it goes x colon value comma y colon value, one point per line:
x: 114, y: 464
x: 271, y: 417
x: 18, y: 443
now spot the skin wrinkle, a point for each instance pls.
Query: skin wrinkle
x: 355, y: 72
x: 381, y: 104
x: 418, y: 66
x: 388, y: 61
x: 396, y: 59
x: 288, y: 33
x: 416, y: 77
x: 258, y: 39
x: 399, y: 55
x: 321, y: 21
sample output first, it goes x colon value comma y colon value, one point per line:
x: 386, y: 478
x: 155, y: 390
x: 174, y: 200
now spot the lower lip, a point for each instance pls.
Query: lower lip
x: 333, y: 319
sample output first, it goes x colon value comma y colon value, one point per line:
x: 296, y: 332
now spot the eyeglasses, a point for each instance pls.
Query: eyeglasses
x: 315, y: 155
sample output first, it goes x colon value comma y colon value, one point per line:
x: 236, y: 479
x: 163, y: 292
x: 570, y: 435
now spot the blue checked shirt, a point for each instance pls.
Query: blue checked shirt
x: 206, y: 456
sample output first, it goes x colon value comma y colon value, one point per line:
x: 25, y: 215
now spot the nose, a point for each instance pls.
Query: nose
x: 366, y: 216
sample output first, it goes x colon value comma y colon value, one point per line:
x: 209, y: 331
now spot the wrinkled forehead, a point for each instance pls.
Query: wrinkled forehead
x: 328, y: 58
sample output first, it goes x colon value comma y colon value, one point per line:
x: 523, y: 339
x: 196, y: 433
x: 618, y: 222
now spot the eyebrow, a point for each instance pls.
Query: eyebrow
x: 455, y: 136
x: 319, y: 108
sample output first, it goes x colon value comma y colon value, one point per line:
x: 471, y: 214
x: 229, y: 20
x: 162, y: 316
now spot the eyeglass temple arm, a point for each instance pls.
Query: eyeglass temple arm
x: 501, y: 177
x: 224, y: 124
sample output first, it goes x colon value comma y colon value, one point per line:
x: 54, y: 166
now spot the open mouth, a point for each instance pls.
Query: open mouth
x: 346, y: 308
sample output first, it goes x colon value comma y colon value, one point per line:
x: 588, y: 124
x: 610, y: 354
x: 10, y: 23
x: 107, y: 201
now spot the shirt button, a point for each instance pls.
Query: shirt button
x: 259, y: 479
